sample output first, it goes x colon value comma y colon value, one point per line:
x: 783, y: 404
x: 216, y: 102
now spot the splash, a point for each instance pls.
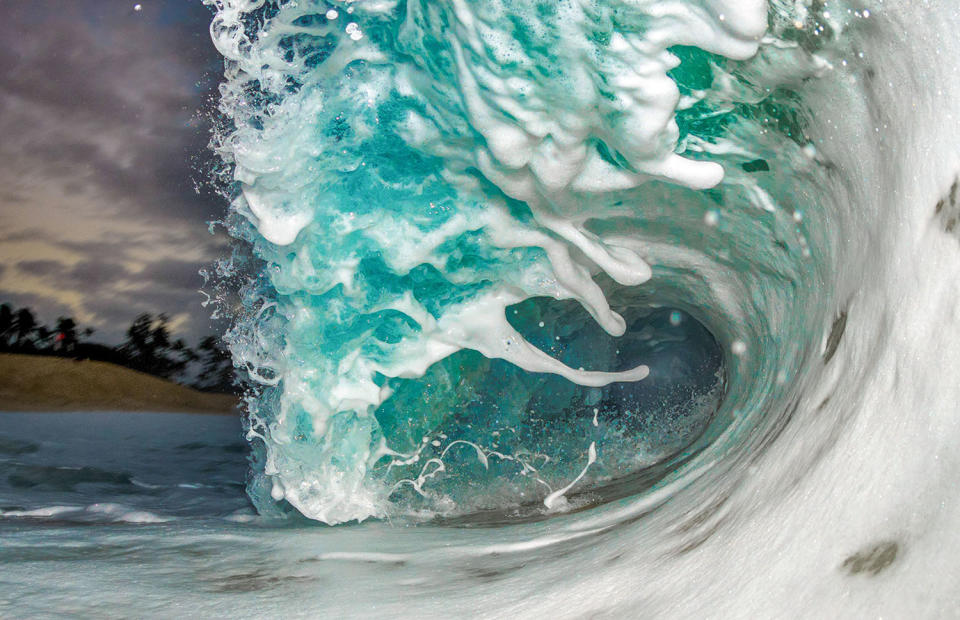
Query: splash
x: 488, y: 230
x: 413, y: 173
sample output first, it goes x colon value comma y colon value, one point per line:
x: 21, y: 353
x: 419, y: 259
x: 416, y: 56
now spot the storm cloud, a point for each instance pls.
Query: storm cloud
x: 103, y: 113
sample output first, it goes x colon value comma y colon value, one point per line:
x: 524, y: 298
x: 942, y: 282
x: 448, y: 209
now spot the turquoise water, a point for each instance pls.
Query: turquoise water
x: 460, y: 214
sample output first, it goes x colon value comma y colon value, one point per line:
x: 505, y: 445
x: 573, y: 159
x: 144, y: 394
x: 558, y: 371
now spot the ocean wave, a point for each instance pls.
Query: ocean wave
x: 455, y: 212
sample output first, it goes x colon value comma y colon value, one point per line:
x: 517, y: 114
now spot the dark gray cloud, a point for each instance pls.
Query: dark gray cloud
x: 102, y: 113
x: 172, y: 270
x: 52, y: 307
x: 94, y: 274
x: 110, y: 96
x: 114, y: 294
x: 152, y: 300
x: 41, y: 267
x: 98, y: 274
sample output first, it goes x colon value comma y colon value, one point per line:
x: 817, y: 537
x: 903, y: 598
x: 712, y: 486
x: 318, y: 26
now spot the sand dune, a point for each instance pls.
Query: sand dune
x: 37, y: 383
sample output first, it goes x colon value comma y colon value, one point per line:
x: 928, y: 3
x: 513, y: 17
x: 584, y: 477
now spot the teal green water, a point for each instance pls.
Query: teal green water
x: 423, y: 185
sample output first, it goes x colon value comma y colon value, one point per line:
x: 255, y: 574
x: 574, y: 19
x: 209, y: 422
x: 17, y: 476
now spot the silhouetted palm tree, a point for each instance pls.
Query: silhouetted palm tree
x: 66, y: 335
x: 6, y: 325
x: 24, y: 324
x: 148, y: 347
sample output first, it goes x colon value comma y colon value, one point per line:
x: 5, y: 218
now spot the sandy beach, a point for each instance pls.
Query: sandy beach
x: 40, y: 383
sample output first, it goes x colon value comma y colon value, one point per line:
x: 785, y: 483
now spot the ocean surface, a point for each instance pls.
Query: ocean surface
x: 568, y: 308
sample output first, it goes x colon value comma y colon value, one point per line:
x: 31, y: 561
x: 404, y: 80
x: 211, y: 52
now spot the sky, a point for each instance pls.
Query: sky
x: 103, y: 133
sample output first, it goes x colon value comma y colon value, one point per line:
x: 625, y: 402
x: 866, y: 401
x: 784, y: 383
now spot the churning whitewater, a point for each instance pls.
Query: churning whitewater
x: 414, y: 177
x: 666, y: 291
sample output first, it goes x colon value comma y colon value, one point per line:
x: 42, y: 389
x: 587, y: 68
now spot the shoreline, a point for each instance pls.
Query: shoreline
x: 130, y: 411
x: 36, y: 384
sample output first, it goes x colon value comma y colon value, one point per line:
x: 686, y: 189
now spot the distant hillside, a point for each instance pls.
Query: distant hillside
x: 39, y: 383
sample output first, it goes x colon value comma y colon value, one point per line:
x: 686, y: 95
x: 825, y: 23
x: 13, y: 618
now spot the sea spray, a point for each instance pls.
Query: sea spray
x: 424, y: 182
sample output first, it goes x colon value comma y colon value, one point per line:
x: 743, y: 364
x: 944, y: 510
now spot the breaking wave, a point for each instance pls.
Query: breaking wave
x: 684, y: 270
